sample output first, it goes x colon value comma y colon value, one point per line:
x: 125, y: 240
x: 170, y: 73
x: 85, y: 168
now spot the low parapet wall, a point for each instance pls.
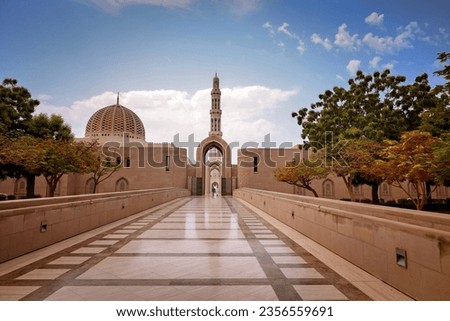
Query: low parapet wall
x: 27, y: 225
x: 410, y: 250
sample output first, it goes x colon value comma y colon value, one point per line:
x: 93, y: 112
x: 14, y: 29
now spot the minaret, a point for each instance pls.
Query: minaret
x: 215, y: 111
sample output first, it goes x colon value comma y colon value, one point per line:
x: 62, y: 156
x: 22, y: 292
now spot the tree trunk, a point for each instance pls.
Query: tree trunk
x: 31, y: 179
x: 375, y: 199
x: 348, y: 184
x: 428, y: 193
x: 309, y: 188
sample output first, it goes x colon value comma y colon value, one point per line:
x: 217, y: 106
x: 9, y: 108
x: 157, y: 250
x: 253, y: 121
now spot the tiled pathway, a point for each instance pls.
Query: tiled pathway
x: 196, y: 248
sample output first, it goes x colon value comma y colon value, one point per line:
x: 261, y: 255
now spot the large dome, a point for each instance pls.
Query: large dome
x: 113, y: 122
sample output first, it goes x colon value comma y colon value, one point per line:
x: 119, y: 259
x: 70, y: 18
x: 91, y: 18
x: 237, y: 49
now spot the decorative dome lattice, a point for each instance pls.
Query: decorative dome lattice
x: 116, y: 121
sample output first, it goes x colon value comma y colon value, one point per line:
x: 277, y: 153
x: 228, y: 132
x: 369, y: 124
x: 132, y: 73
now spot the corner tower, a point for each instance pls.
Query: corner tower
x: 215, y: 112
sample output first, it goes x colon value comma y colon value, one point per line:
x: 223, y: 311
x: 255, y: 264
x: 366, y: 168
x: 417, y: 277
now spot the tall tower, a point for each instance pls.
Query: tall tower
x: 215, y: 111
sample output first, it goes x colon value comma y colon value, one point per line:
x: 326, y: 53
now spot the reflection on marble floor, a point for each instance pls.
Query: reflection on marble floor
x: 196, y: 248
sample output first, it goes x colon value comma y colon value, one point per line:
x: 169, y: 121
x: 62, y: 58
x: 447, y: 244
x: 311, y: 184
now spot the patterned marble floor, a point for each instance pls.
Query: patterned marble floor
x: 197, y: 248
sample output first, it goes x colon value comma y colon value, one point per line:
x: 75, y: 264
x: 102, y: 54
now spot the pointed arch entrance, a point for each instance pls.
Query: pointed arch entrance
x: 213, y: 167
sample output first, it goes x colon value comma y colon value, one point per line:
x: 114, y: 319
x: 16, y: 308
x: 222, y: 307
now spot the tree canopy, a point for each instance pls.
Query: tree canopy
x: 33, y: 145
x: 353, y: 125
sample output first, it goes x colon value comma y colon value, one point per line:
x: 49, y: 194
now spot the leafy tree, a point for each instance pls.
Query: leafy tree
x: 445, y: 72
x: 368, y: 109
x: 301, y: 174
x: 53, y: 126
x: 16, y: 108
x: 441, y: 152
x: 436, y: 119
x: 61, y: 157
x: 102, y: 167
x: 360, y: 155
x: 410, y: 160
x: 17, y: 120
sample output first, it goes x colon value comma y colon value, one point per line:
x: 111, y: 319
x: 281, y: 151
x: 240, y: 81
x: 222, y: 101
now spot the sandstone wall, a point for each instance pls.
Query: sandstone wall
x: 371, y: 237
x: 27, y: 225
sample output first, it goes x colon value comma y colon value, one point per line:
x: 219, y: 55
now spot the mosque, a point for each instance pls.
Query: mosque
x: 263, y: 243
x: 147, y: 165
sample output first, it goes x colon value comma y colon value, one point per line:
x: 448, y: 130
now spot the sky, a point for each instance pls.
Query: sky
x: 272, y: 57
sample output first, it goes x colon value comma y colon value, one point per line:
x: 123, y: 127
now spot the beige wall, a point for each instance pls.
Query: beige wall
x: 368, y: 236
x: 148, y: 170
x: 20, y: 221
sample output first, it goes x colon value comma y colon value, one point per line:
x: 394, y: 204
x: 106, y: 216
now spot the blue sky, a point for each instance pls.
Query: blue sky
x: 272, y: 56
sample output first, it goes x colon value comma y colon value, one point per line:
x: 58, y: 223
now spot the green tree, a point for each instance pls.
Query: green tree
x: 53, y: 126
x: 16, y: 108
x: 445, y: 71
x: 441, y: 152
x: 367, y: 109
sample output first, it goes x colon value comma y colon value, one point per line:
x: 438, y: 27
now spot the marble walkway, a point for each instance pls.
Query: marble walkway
x: 195, y: 248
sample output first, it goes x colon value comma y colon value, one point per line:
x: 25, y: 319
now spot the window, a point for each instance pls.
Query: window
x: 328, y: 188
x: 121, y: 185
x: 255, y: 164
x: 167, y: 163
x: 128, y: 162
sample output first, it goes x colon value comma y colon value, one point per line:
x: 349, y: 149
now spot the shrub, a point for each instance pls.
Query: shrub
x: 3, y: 197
x: 11, y: 197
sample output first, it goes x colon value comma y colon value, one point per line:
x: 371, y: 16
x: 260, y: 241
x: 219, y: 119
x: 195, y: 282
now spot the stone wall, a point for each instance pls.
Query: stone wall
x: 27, y: 225
x: 378, y: 239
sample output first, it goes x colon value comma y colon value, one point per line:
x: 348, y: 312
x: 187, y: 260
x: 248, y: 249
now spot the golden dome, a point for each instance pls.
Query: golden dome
x: 115, y: 121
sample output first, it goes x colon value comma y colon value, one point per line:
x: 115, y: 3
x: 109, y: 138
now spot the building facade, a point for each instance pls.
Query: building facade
x: 146, y: 165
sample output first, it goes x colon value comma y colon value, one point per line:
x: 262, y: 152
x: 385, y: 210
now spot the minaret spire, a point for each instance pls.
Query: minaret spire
x: 117, y: 99
x: 215, y: 112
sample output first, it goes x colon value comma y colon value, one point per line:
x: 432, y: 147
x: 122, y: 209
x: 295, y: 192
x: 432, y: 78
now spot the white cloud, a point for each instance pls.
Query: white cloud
x: 269, y: 28
x: 353, y: 66
x: 247, y: 112
x: 389, y: 66
x: 390, y: 44
x: 340, y: 78
x: 114, y: 6
x: 326, y: 43
x: 345, y: 40
x: 375, y: 19
x: 374, y: 62
x: 283, y: 29
x: 301, y: 47
x: 44, y: 97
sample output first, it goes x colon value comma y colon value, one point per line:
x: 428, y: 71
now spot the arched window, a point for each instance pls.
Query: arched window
x: 121, y: 185
x: 328, y: 188
x: 385, y: 190
x: 20, y: 187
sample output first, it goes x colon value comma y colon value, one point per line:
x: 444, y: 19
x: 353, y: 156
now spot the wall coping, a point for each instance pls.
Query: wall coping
x: 438, y: 221
x: 14, y: 207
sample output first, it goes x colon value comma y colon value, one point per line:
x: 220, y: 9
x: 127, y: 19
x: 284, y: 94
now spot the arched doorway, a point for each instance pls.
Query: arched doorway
x: 213, y: 167
x: 213, y: 171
